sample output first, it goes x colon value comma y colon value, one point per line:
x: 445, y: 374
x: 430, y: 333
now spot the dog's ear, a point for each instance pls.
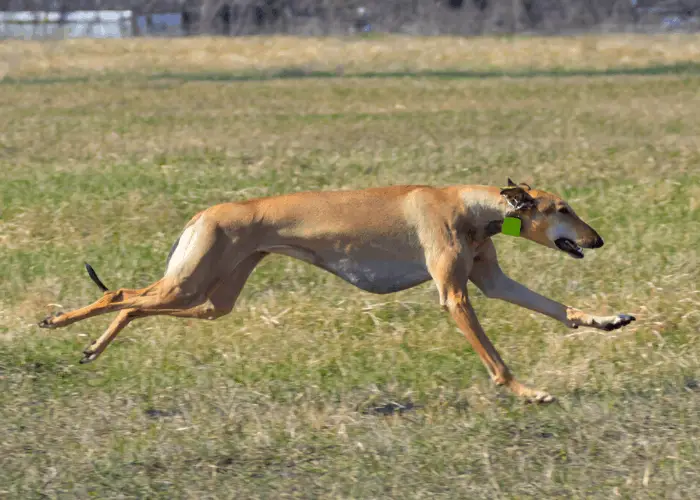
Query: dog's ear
x: 518, y: 198
x: 522, y: 184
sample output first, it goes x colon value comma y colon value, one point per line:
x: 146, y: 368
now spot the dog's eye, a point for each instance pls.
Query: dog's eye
x: 564, y: 210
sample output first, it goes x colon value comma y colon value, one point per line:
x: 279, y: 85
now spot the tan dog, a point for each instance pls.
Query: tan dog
x: 381, y: 240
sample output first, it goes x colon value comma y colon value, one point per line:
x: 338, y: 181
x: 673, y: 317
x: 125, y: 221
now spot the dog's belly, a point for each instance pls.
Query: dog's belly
x: 377, y: 276
x: 374, y: 275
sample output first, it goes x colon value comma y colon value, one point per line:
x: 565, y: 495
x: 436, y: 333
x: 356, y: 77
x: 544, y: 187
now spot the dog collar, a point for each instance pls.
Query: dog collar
x: 511, y: 226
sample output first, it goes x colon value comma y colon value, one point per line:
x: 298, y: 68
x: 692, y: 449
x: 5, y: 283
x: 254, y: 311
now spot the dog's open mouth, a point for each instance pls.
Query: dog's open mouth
x: 569, y: 247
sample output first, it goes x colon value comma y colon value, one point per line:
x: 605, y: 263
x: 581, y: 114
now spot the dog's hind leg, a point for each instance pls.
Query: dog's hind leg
x: 207, y: 253
x: 111, y: 301
x: 219, y: 302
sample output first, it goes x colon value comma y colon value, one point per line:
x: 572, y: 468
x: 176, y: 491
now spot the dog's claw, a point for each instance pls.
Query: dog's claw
x: 88, y: 357
x: 47, y: 321
x: 619, y: 321
x: 625, y: 319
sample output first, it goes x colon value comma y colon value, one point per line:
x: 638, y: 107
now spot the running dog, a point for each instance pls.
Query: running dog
x: 381, y: 240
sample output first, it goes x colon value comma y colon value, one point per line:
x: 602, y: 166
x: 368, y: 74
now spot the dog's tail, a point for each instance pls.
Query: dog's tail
x: 93, y: 276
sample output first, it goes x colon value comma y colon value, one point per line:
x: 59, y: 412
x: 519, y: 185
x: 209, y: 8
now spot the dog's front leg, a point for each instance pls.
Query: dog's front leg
x: 450, y: 275
x: 487, y: 275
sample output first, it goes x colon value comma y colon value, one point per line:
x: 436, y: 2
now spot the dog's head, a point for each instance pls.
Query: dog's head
x: 549, y: 220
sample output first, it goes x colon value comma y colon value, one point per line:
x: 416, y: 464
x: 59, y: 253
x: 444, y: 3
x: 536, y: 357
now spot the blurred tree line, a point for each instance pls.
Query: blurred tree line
x: 433, y: 17
x: 422, y: 17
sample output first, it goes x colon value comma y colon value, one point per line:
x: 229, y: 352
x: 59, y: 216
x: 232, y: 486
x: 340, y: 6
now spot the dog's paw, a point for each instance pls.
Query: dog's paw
x: 541, y: 397
x: 618, y: 322
x: 89, y: 354
x: 49, y: 321
x: 528, y: 394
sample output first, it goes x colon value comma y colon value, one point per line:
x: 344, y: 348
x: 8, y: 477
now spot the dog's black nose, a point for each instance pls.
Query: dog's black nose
x: 597, y: 243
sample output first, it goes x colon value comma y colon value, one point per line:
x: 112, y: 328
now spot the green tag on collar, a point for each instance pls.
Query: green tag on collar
x: 511, y: 226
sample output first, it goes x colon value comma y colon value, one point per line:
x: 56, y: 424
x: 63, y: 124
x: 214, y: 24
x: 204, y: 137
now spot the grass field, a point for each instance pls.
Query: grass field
x: 311, y: 388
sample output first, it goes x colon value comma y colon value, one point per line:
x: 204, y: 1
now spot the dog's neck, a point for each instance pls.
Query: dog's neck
x: 486, y: 211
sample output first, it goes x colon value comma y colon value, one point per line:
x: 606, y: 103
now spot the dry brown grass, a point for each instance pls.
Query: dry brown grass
x: 390, y: 53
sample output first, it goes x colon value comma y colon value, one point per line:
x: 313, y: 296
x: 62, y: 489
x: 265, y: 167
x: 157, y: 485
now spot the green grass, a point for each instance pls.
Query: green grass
x: 311, y: 388
x: 292, y: 73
